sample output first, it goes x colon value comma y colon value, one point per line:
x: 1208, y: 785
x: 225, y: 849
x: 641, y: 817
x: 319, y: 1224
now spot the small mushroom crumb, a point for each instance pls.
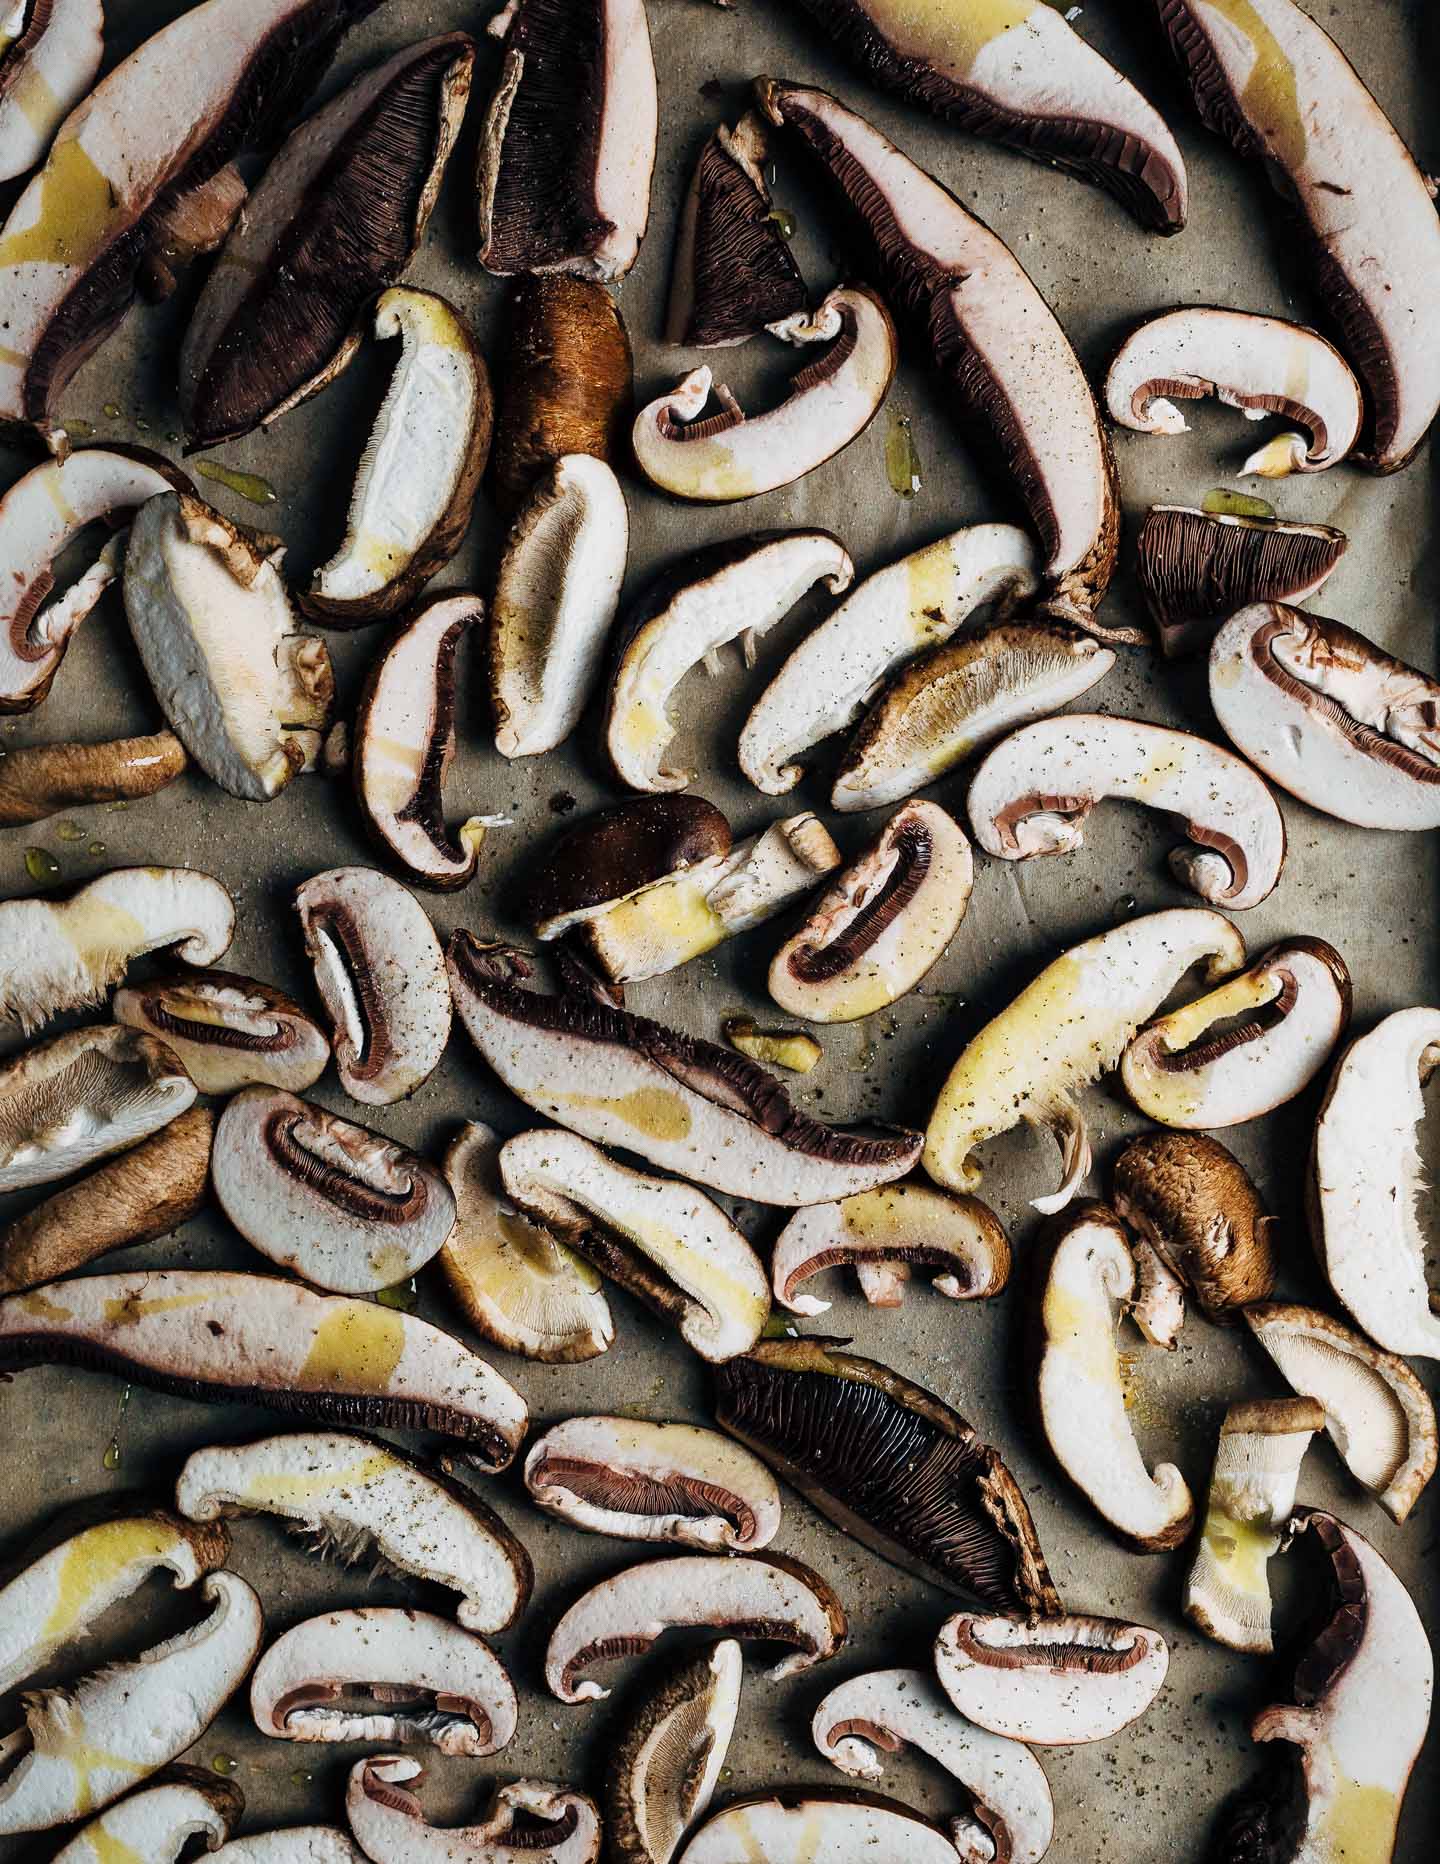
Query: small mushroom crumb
x: 793, y: 1049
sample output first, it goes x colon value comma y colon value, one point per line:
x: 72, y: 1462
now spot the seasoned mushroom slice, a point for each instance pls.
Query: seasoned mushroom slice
x: 641, y: 1481
x: 39, y: 780
x: 717, y: 458
x: 811, y: 1825
x: 884, y: 1235
x: 158, y: 1822
x: 50, y: 51
x: 292, y: 1844
x: 529, y: 1820
x: 228, y: 1030
x: 1053, y: 1682
x: 615, y: 854
x: 670, y: 1752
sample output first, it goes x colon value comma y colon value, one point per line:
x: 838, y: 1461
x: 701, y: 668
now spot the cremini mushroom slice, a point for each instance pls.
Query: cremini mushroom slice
x: 40, y: 780
x: 794, y: 1049
x: 813, y: 1825
x: 381, y: 972
x: 158, y: 1823
x: 529, y: 1820
x: 884, y: 923
x: 421, y: 468
x: 761, y: 1596
x: 737, y: 589
x: 1033, y: 791
x: 681, y: 1103
x: 643, y: 1481
x: 49, y: 55
x: 1082, y: 1399
x: 670, y: 1753
x: 1063, y: 1031
x: 890, y: 1463
x: 80, y: 1747
x: 229, y: 1031
x: 292, y: 1844
x: 337, y: 216
x: 1052, y: 1682
x: 1329, y: 716
x: 1012, y: 1815
x: 884, y: 1236
x: 720, y: 457
x: 1282, y: 1018
x: 355, y: 1496
x: 613, y: 855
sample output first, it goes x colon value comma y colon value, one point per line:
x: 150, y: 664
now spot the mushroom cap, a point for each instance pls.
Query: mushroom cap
x: 158, y: 1822
x: 814, y: 1825
x: 1053, y: 1682
x: 1194, y: 1203
x: 39, y: 780
x: 528, y: 1818
x: 229, y: 1031
x: 613, y: 853
x: 670, y: 1752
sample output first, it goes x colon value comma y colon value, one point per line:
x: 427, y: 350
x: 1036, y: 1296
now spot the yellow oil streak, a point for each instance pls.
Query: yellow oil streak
x: 952, y: 32
x: 1269, y: 98
x: 292, y: 1491
x: 76, y: 213
x: 356, y: 1347
x: 1358, y: 1827
x: 129, y: 1309
x: 40, y: 1304
x: 650, y: 1110
x: 93, y: 1562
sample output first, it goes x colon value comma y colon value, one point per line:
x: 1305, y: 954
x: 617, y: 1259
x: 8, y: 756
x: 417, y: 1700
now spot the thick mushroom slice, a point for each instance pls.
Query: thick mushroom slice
x: 613, y: 855
x: 1064, y: 1030
x: 666, y: 1482
x: 890, y: 1463
x: 811, y: 1825
x: 884, y: 1236
x: 670, y: 1753
x: 529, y: 1821
x: 229, y: 1031
x: 680, y: 1103
x: 292, y: 1844
x: 50, y: 52
x: 40, y: 780
x: 717, y: 458
x: 1053, y: 1682
x: 158, y: 1823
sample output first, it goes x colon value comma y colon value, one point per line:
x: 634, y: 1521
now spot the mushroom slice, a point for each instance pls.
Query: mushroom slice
x: 40, y: 780
x: 1001, y: 354
x: 1329, y: 716
x: 158, y: 1822
x: 292, y: 1844
x: 729, y: 455
x: 421, y: 468
x: 228, y: 1030
x: 232, y: 1338
x: 418, y: 1677
x: 738, y: 588
x: 666, y: 1242
x: 1012, y: 1814
x: 778, y: 1048
x: 890, y: 1463
x: 1053, y: 1682
x: 679, y: 1102
x: 1032, y: 793
x: 529, y: 1821
x: 381, y: 972
x: 1082, y: 1389
x: 356, y: 1496
x: 840, y: 666
x: 247, y: 695
x: 615, y: 854
x: 337, y: 216
x: 49, y: 56
x: 641, y: 1481
x: 886, y: 1234
x: 82, y: 1746
x: 883, y: 925
x: 1066, y: 1029
x: 761, y: 1596
x: 1293, y: 1007
x: 1377, y: 1413
x: 670, y: 1753
x: 811, y: 1825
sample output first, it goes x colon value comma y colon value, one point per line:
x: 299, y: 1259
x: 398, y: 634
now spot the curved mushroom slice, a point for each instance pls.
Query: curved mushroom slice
x: 884, y: 1235
x: 158, y: 1822
x: 669, y: 1754
x: 680, y: 1103
x: 1032, y: 793
x: 228, y: 1030
x: 1053, y: 1682
x: 292, y: 1844
x: 890, y: 1463
x: 49, y: 56
x: 40, y: 780
x: 729, y: 455
x: 641, y: 1481
x: 1064, y: 1030
x: 529, y: 1820
x: 811, y: 1825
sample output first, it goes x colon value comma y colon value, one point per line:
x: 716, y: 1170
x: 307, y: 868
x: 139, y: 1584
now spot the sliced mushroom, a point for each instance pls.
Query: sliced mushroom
x: 666, y: 1482
x: 777, y: 1048
x: 40, y: 780
x: 354, y: 1494
x: 890, y: 1463
x: 884, y: 1235
x: 840, y: 666
x: 49, y: 56
x: 615, y: 854
x: 812, y: 1825
x: 670, y: 1753
x: 158, y: 1822
x: 529, y: 1820
x: 1054, y: 1682
x: 1066, y: 1029
x: 729, y: 455
x: 679, y: 1102
x: 228, y: 1030
x: 292, y: 1844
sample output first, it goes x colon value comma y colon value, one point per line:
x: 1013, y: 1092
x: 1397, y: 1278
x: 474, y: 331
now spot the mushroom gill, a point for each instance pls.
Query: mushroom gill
x: 669, y: 1753
x: 529, y: 1820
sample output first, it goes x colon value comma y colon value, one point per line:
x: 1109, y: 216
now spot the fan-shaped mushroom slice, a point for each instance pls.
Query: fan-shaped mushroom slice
x: 681, y: 1103
x: 228, y: 1030
x: 40, y: 780
x: 1063, y: 1031
x: 353, y: 1494
x: 670, y: 1752
x: 812, y: 1825
x: 529, y: 1820
x: 884, y: 1235
x: 890, y: 1463
x: 49, y: 55
x: 641, y: 1481
x: 1054, y: 1682
x: 1012, y: 1815
x: 158, y: 1822
x: 292, y: 1844
x: 1081, y: 1384
x: 729, y: 455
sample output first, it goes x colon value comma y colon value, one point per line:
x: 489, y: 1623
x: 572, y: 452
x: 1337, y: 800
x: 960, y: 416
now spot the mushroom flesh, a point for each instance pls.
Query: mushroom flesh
x: 529, y: 1821
x: 885, y: 1235
x: 812, y: 1825
x: 158, y: 1823
x: 670, y: 1753
x: 49, y: 56
x: 1053, y: 1682
x: 229, y: 1031
x: 40, y: 780
x: 292, y: 1844
x: 777, y: 1048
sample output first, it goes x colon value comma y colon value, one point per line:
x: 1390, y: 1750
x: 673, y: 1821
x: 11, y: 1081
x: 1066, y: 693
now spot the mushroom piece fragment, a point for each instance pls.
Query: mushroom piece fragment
x: 884, y: 1236
x: 292, y: 1844
x: 529, y: 1820
x: 812, y: 1825
x: 229, y: 1031
x: 158, y: 1822
x: 1054, y: 1682
x: 670, y: 1753
x: 49, y: 56
x: 794, y: 1049
x: 39, y: 780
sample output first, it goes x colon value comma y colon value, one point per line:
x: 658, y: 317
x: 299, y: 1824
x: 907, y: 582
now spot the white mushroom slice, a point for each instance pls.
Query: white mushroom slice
x: 810, y: 1825
x: 885, y: 1235
x: 1012, y: 1815
x: 664, y: 1241
x: 754, y: 1595
x: 1063, y: 1031
x: 157, y: 1823
x: 665, y: 1482
x: 1329, y: 716
x: 838, y: 668
x: 81, y: 1747
x: 292, y: 1844
x: 555, y: 598
x: 1292, y: 1008
x: 1053, y: 1682
x: 530, y: 1822
x: 738, y: 589
x: 670, y: 1753
x: 714, y: 459
x: 1032, y: 793
x: 1366, y: 1184
x: 1082, y: 1387
x: 356, y: 1495
x: 229, y: 1031
x: 50, y: 51
x: 883, y: 925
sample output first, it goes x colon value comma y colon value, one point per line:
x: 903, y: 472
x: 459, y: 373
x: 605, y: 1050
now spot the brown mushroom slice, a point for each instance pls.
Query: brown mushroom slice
x: 778, y: 1048
x: 40, y: 780
x: 337, y: 217
x: 50, y: 54
x: 890, y: 1463
x: 292, y: 1844
x: 885, y: 1235
x: 529, y: 1820
x: 158, y: 1823
x: 830, y: 401
x: 615, y: 854
x: 670, y: 1754
x: 1053, y: 1682
x: 812, y: 1825
x: 229, y: 1031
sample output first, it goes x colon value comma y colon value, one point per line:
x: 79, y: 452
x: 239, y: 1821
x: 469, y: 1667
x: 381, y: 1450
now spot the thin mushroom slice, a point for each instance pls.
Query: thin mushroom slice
x: 40, y: 780
x: 292, y: 1844
x: 158, y: 1823
x: 529, y: 1821
x: 50, y: 53
x: 812, y: 1825
x: 1053, y: 1682
x: 885, y: 1236
x: 670, y: 1753
x: 229, y: 1031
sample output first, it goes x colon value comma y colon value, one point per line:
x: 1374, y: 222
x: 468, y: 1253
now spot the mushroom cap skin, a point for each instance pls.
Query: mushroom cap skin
x: 229, y: 1031
x: 885, y: 1235
x: 39, y: 780
x: 661, y: 1482
x: 615, y: 853
x: 813, y: 1825
x: 292, y: 1844
x: 44, y: 73
x: 1329, y: 716
x: 670, y: 1752
x: 554, y: 1823
x: 158, y: 1822
x: 1051, y: 1682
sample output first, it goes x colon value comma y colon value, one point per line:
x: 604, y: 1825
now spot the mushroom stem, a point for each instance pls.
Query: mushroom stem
x: 39, y: 780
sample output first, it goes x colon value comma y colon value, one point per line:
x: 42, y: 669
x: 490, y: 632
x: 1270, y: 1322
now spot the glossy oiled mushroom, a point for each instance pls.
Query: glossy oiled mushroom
x: 529, y: 1820
x: 49, y: 55
x: 1054, y: 1681
x: 885, y: 1236
x: 671, y: 1753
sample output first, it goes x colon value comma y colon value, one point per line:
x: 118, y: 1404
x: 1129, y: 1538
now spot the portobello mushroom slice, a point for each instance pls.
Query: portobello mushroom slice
x: 50, y: 52
x: 40, y: 780
x: 670, y: 1753
x: 229, y: 1031
x: 812, y: 1825
x: 528, y: 1820
x: 890, y: 1463
x: 1052, y: 1682
x: 158, y: 1822
x: 337, y: 217
x: 292, y: 1844
x: 884, y: 1235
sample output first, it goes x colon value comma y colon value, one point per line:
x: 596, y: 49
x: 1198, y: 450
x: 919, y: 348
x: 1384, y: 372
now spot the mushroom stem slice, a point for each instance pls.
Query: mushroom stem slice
x: 229, y: 1031
x: 670, y: 1753
x: 529, y: 1820
x: 158, y: 1823
x: 794, y: 1049
x: 813, y: 1825
x: 39, y: 780
x: 49, y: 55
x: 1053, y: 1682
x: 885, y: 1235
